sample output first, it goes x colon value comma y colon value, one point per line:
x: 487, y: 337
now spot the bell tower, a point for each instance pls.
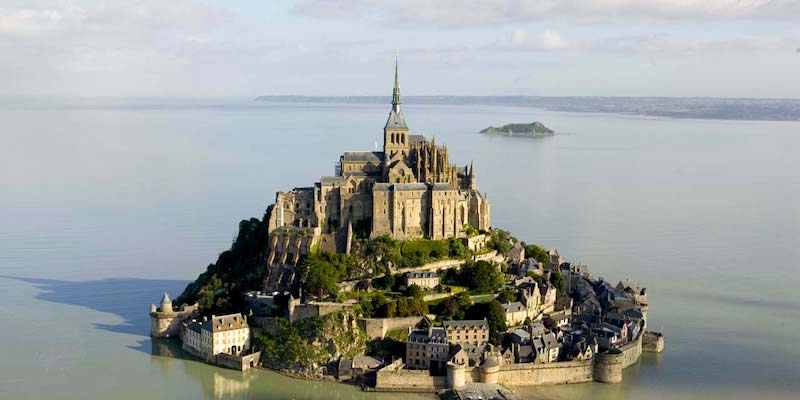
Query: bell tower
x: 395, y: 133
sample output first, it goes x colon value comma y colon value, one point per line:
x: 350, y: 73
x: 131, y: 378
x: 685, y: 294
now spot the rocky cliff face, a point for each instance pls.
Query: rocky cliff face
x: 310, y: 347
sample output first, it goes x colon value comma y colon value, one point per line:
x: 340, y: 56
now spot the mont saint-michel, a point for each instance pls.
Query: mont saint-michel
x: 389, y: 275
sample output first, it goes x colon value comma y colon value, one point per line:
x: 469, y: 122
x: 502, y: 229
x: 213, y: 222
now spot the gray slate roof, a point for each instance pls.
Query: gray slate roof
x: 514, y: 307
x: 396, y: 121
x: 437, y: 336
x: 363, y: 156
x: 410, y: 186
x: 413, y: 275
x: 225, y: 323
x: 480, y: 323
x: 415, y: 139
x: 331, y: 180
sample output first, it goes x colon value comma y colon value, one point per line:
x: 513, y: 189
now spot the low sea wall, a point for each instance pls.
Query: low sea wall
x: 604, y: 367
x: 546, y: 374
x: 404, y: 380
x: 239, y: 363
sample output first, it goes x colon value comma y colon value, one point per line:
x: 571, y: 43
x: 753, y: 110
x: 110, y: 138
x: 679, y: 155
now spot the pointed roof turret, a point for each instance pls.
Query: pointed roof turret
x: 166, y: 303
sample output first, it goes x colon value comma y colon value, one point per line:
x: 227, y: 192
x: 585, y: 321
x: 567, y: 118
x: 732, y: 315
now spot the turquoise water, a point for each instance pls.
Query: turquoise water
x: 106, y: 204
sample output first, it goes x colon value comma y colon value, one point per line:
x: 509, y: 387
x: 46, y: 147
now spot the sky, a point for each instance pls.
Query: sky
x: 228, y: 48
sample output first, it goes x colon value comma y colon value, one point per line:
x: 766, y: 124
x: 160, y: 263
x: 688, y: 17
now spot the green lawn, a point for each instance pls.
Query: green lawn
x: 482, y: 298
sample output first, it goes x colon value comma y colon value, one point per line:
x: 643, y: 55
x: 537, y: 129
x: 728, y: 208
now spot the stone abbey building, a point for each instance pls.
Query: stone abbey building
x: 407, y: 191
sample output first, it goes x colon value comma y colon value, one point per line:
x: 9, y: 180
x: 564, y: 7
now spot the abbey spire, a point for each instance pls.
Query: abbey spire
x: 395, y: 132
x: 396, y: 90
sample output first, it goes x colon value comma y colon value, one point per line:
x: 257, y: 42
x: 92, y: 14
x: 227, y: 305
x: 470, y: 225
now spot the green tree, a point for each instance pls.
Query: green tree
x: 557, y: 280
x: 456, y: 249
x: 389, y: 278
x: 493, y: 312
x: 500, y: 240
x: 538, y: 253
x: 507, y: 295
x: 206, y: 294
x: 414, y: 291
x: 481, y: 277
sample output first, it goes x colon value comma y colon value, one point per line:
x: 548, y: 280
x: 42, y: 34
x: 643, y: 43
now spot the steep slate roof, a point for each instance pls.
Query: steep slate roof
x: 421, y: 275
x: 396, y: 121
x: 331, y: 180
x: 437, y: 335
x: 363, y: 156
x: 514, y: 307
x: 225, y: 323
x: 467, y: 322
x: 415, y: 139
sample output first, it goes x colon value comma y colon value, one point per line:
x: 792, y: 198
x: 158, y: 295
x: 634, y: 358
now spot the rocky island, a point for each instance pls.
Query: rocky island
x: 534, y: 129
x: 390, y: 276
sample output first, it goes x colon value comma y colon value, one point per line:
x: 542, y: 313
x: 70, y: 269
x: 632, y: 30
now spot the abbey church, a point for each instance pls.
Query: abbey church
x: 408, y: 191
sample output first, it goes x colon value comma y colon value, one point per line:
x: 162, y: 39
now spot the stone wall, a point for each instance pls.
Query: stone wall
x: 604, y: 367
x: 404, y: 380
x: 546, y: 374
x: 239, y: 363
x: 314, y: 309
x: 631, y: 352
x: 377, y: 328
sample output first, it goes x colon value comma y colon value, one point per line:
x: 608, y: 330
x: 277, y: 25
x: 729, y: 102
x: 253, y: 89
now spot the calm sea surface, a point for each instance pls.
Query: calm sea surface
x: 106, y: 204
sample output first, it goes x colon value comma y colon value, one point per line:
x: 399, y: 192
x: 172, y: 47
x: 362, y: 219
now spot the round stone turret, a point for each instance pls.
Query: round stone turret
x: 489, y: 370
x: 608, y: 367
x: 456, y: 378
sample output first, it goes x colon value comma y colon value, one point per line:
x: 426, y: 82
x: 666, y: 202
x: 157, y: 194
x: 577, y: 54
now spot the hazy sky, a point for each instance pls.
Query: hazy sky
x: 731, y: 48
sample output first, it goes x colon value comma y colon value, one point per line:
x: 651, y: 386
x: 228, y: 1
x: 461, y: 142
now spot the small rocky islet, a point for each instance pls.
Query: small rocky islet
x: 533, y: 129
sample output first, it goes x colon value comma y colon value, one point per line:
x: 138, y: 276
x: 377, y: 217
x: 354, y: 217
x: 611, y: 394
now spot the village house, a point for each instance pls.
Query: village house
x: 515, y: 312
x: 473, y: 332
x: 427, y: 347
x: 425, y: 280
x: 530, y: 266
x: 229, y: 334
x: 546, y: 347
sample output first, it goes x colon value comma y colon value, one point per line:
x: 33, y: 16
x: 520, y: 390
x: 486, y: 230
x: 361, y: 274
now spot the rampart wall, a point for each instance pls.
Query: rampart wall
x: 405, y: 380
x: 377, y: 328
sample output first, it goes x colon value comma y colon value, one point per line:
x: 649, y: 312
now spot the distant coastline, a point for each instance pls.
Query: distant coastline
x: 742, y: 109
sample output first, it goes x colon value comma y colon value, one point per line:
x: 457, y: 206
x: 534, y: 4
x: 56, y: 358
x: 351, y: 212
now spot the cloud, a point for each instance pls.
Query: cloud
x: 455, y: 13
x: 546, y: 40
x: 519, y: 37
x: 27, y: 21
x: 552, y: 40
x: 668, y: 45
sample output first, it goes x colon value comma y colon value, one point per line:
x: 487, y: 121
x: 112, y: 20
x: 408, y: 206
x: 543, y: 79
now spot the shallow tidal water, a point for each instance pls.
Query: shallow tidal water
x: 105, y: 204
